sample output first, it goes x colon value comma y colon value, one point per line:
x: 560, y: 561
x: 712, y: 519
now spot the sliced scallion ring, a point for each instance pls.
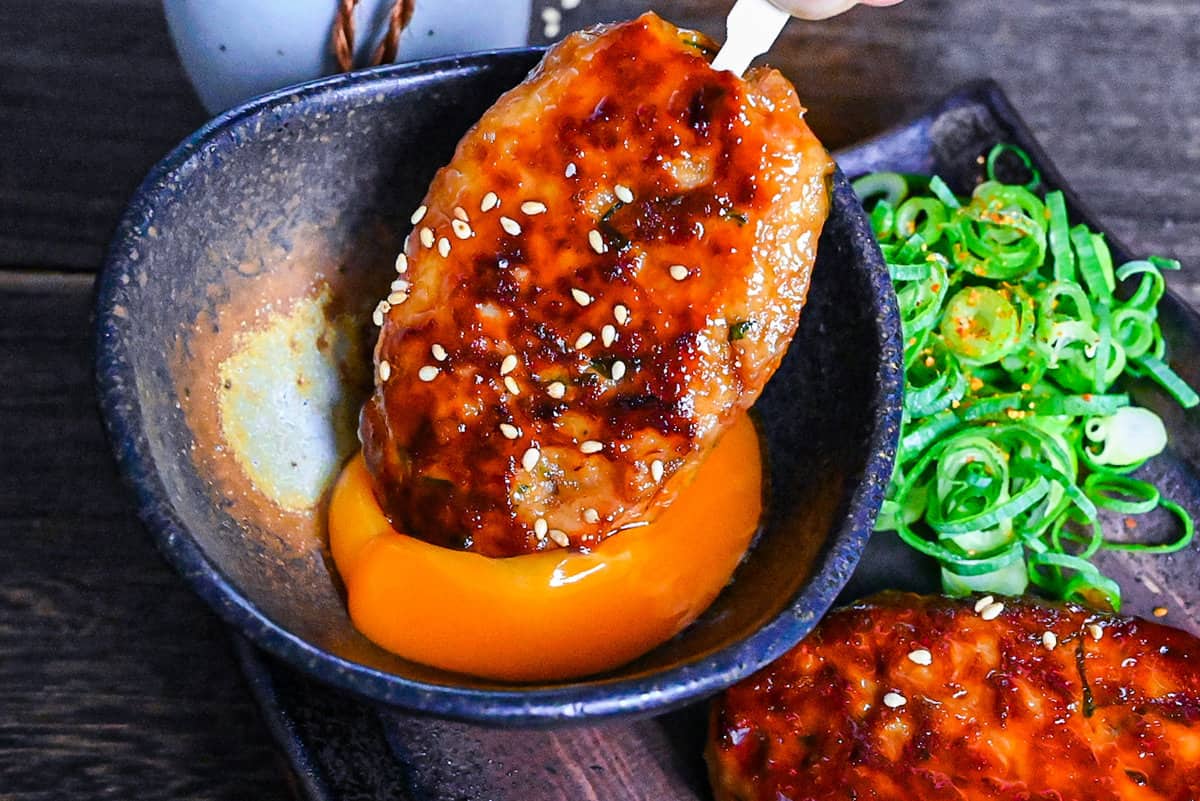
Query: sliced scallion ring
x: 1020, y: 333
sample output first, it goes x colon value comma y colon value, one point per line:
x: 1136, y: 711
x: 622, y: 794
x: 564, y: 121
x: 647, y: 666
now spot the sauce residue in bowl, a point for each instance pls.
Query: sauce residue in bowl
x: 555, y: 614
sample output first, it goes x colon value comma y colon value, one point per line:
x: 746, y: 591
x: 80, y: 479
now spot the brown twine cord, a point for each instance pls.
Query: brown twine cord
x: 342, y: 40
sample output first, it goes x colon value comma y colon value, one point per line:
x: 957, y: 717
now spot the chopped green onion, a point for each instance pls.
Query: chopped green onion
x: 1129, y: 435
x: 891, y: 185
x: 883, y: 217
x: 999, y: 151
x: 1129, y: 496
x: 739, y: 330
x: 1169, y: 379
x: 1091, y: 266
x: 1020, y: 334
x: 735, y: 215
x: 943, y: 192
x: 1187, y: 533
x: 1060, y: 237
x: 930, y: 212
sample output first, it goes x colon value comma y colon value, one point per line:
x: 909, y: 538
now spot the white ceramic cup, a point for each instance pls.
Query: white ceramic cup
x: 233, y: 50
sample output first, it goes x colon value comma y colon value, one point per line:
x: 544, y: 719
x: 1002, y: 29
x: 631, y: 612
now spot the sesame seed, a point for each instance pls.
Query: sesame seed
x: 608, y: 335
x: 509, y: 364
x: 1160, y: 611
x: 584, y: 340
x: 419, y: 214
x: 444, y: 247
x: 510, y: 384
x: 461, y: 229
x: 623, y: 193
x: 556, y: 390
x: 438, y: 352
x: 591, y: 516
x: 983, y: 602
x: 581, y: 297
x: 427, y: 237
x: 1096, y: 632
x: 1050, y: 640
x: 533, y: 207
x: 621, y: 314
x: 489, y: 202
x: 377, y: 315
x: 400, y: 285
x: 385, y: 371
x: 461, y: 214
x: 551, y: 15
x: 509, y: 430
x: 540, y: 527
x: 591, y: 446
x: 402, y: 264
x: 510, y: 226
x: 530, y: 459
x: 894, y: 700
x: 678, y: 272
x: 618, y: 370
x: 596, y: 240
x: 992, y: 611
x: 427, y: 373
x: 656, y: 470
x: 569, y: 5
x: 571, y: 170
x: 396, y: 298
x: 560, y: 538
x: 920, y: 656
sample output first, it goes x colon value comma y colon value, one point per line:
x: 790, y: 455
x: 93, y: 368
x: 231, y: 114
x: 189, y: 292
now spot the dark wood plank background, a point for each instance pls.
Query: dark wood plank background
x: 117, y: 683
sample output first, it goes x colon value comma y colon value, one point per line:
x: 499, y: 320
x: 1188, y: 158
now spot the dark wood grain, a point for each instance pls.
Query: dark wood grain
x: 115, y: 681
x: 91, y: 96
x: 646, y: 760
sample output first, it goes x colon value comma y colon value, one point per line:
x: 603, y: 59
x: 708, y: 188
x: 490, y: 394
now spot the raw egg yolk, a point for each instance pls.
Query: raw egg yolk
x: 555, y: 614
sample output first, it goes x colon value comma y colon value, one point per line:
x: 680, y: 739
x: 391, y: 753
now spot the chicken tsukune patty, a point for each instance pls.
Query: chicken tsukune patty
x: 603, y: 277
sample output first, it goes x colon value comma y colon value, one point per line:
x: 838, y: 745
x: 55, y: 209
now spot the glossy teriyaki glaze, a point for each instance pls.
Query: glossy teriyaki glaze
x: 904, y: 696
x: 601, y: 280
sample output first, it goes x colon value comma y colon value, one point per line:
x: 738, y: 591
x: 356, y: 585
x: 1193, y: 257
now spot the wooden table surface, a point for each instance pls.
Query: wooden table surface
x: 114, y: 681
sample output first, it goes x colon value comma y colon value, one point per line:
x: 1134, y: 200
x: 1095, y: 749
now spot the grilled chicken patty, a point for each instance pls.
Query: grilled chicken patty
x: 603, y: 277
x: 908, y: 697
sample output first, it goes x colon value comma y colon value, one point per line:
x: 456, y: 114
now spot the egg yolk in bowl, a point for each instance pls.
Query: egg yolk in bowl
x: 555, y: 614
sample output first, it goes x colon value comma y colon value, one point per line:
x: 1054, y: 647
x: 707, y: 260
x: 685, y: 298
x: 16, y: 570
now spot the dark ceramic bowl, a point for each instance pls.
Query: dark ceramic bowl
x: 233, y: 337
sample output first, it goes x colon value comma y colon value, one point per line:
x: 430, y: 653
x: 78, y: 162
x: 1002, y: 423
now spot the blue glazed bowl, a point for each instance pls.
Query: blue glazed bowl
x: 234, y: 340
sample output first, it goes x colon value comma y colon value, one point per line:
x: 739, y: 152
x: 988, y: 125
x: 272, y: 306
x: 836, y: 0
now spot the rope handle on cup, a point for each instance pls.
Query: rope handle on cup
x: 342, y: 40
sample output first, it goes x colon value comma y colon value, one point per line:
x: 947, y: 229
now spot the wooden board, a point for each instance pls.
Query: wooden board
x: 91, y: 96
x: 115, y: 681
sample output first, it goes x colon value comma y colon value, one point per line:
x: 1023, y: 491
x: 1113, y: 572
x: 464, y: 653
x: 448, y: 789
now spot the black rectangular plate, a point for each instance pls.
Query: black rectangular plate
x: 340, y: 748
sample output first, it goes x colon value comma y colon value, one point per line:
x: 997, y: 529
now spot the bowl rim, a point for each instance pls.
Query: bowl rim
x: 589, y: 699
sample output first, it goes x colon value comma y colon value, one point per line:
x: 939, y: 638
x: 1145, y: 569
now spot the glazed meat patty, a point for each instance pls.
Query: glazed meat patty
x: 603, y: 277
x: 909, y: 697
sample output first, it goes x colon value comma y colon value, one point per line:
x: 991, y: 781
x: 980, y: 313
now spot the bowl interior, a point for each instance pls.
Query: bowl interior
x: 234, y: 352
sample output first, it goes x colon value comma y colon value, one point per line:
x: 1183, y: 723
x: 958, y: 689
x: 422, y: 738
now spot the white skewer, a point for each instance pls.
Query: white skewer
x: 750, y: 30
